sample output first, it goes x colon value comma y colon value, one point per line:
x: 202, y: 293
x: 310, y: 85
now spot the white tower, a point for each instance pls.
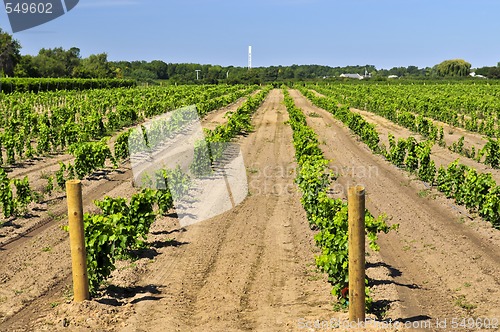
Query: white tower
x: 249, y: 57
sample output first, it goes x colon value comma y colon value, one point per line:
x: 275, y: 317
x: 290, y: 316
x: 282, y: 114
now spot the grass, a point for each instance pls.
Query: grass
x: 431, y: 246
x: 55, y: 217
x: 338, y: 307
x: 314, y: 115
x: 68, y: 293
x: 253, y: 170
x: 424, y: 193
x: 461, y: 302
x: 130, y: 266
x: 47, y: 249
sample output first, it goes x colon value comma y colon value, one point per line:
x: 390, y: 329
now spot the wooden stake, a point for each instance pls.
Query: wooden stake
x: 356, y: 210
x: 77, y: 240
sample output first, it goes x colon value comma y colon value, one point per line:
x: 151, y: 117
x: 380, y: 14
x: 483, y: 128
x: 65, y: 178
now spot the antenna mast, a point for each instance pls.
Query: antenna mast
x: 249, y: 57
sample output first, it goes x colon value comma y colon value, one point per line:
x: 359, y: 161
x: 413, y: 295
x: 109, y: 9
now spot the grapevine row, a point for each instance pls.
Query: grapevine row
x: 326, y: 214
x: 53, y: 121
x: 488, y: 155
x: 122, y: 227
x: 478, y: 192
x: 9, y: 85
x: 473, y: 107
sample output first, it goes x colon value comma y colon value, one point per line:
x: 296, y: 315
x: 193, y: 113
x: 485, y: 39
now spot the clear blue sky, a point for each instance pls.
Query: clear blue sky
x: 384, y: 33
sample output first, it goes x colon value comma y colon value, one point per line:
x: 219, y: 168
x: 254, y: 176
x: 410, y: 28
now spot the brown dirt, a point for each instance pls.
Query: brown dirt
x: 250, y: 268
x: 213, y: 119
x: 441, y: 156
x: 439, y: 262
x: 36, y: 245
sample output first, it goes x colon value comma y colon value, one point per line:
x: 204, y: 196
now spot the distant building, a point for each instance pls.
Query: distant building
x: 473, y: 74
x: 358, y: 76
x: 393, y: 76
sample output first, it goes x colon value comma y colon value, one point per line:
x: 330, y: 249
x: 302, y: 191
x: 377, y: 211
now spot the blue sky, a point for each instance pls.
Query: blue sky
x: 385, y: 33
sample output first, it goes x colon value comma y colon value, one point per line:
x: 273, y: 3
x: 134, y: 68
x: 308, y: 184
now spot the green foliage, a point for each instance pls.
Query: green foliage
x: 50, y: 185
x: 455, y: 67
x: 324, y: 213
x: 90, y: 157
x: 9, y: 54
x: 121, y: 145
x: 11, y: 85
x: 411, y: 161
x: 120, y: 227
x: 24, y: 194
x: 492, y: 152
x: 7, y: 203
x: 427, y: 168
x: 61, y: 182
x: 397, y: 152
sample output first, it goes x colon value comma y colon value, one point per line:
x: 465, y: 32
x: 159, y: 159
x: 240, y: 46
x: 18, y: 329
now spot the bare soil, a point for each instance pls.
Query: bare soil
x: 441, y: 263
x: 441, y: 156
x: 252, y: 268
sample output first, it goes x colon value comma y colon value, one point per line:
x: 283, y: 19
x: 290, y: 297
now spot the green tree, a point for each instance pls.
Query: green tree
x: 26, y: 67
x: 95, y: 66
x: 57, y: 62
x: 9, y: 53
x: 455, y: 67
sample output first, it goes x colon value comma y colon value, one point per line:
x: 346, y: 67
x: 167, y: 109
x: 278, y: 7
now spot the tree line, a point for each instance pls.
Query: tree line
x: 60, y: 63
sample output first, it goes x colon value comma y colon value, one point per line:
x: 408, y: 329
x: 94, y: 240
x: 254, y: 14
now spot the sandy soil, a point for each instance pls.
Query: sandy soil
x: 441, y: 156
x: 442, y: 264
x: 250, y: 268
x: 213, y: 119
x: 36, y: 245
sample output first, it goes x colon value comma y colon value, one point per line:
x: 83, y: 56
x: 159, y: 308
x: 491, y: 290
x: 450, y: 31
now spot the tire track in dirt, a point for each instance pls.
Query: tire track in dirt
x: 213, y: 119
x: 20, y: 257
x: 251, y: 261
x: 433, y: 259
x: 441, y: 156
x: 35, y: 170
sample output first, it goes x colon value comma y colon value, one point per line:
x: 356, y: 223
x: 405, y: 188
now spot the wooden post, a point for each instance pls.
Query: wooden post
x: 356, y: 210
x: 77, y: 240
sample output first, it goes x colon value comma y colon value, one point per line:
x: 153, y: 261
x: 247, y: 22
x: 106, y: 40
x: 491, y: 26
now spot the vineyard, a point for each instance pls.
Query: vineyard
x: 427, y: 154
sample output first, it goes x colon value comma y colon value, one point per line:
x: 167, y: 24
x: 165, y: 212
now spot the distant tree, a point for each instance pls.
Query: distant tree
x: 158, y: 67
x: 455, y: 67
x: 413, y: 70
x: 398, y: 71
x: 490, y: 72
x: 143, y: 75
x: 9, y: 53
x: 57, y: 62
x: 95, y: 66
x: 26, y: 67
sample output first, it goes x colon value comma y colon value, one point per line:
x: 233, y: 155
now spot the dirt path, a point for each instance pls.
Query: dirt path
x: 44, y: 251
x: 250, y: 268
x: 451, y: 134
x: 441, y: 265
x: 441, y: 156
x: 245, y: 269
x: 213, y: 119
